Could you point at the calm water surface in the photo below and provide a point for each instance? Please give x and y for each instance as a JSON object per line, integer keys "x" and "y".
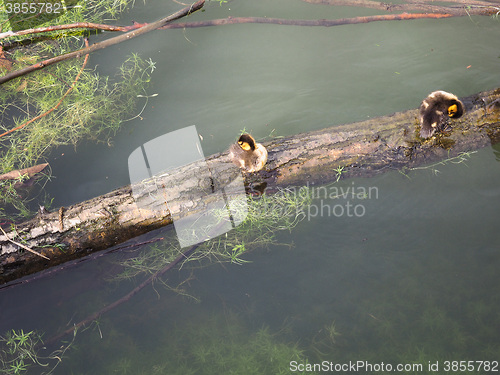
{"x": 411, "y": 277}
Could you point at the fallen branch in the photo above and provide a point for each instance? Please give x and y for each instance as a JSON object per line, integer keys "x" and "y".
{"x": 473, "y": 7}
{"x": 322, "y": 22}
{"x": 29, "y": 172}
{"x": 237, "y": 20}
{"x": 112, "y": 41}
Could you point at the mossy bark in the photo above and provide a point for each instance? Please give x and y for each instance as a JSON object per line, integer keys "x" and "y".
{"x": 362, "y": 149}
{"x": 379, "y": 144}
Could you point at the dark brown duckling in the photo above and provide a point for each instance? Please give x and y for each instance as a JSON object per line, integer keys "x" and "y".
{"x": 435, "y": 111}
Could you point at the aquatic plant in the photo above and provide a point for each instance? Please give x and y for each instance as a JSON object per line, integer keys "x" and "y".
{"x": 265, "y": 216}
{"x": 417, "y": 322}
{"x": 461, "y": 158}
{"x": 57, "y": 105}
{"x": 323, "y": 343}
{"x": 338, "y": 172}
{"x": 217, "y": 344}
{"x": 21, "y": 350}
{"x": 18, "y": 351}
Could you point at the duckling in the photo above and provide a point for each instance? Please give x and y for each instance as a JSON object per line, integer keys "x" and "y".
{"x": 248, "y": 154}
{"x": 435, "y": 111}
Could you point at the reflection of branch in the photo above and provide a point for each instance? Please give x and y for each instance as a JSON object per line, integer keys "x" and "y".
{"x": 118, "y": 39}
{"x": 126, "y": 297}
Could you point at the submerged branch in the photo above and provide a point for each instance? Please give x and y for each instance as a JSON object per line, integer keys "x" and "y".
{"x": 229, "y": 21}
{"x": 128, "y": 296}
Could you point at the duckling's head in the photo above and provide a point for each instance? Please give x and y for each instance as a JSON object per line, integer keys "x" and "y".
{"x": 456, "y": 109}
{"x": 247, "y": 142}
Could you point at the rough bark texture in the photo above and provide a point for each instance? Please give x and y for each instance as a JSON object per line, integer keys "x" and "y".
{"x": 362, "y": 149}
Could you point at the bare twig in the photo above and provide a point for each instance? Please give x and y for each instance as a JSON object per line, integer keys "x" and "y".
{"x": 23, "y": 246}
{"x": 321, "y": 22}
{"x": 467, "y": 6}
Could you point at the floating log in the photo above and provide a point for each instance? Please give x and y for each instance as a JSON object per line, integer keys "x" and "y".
{"x": 362, "y": 149}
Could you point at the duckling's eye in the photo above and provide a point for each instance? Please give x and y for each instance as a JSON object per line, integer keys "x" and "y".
{"x": 244, "y": 145}
{"x": 452, "y": 109}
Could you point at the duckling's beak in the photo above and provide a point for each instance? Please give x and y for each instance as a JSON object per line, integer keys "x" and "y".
{"x": 452, "y": 109}
{"x": 244, "y": 145}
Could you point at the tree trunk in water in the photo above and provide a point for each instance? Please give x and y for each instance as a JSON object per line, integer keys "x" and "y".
{"x": 363, "y": 149}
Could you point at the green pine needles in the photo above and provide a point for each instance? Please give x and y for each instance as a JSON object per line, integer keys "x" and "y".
{"x": 69, "y": 101}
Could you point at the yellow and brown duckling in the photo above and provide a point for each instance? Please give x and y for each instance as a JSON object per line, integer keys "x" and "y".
{"x": 435, "y": 111}
{"x": 248, "y": 154}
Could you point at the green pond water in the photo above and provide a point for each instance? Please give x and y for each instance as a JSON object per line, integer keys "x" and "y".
{"x": 399, "y": 269}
